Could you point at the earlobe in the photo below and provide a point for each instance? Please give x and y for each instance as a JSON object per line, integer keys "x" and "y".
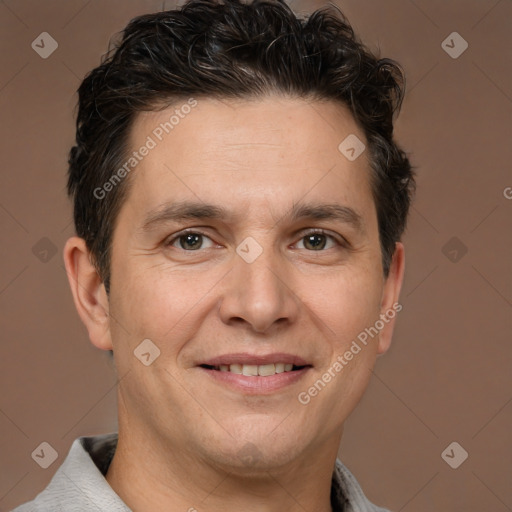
{"x": 88, "y": 292}
{"x": 390, "y": 305}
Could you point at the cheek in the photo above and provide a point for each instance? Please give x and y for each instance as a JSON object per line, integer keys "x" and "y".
{"x": 349, "y": 305}
{"x": 158, "y": 301}
{"x": 346, "y": 305}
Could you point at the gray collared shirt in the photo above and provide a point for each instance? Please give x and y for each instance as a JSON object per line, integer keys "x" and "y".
{"x": 79, "y": 484}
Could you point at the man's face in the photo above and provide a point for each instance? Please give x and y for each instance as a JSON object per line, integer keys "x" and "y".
{"x": 255, "y": 287}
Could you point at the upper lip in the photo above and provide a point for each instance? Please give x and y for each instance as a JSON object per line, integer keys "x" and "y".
{"x": 246, "y": 358}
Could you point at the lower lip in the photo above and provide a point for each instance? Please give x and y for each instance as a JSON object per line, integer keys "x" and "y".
{"x": 256, "y": 385}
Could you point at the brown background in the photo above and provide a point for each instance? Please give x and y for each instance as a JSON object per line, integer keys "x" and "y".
{"x": 447, "y": 376}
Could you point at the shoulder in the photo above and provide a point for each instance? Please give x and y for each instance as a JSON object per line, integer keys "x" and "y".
{"x": 79, "y": 483}
{"x": 349, "y": 493}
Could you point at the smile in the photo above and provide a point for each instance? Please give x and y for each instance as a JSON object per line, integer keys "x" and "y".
{"x": 255, "y": 370}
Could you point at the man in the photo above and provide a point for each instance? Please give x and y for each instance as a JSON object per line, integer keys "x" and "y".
{"x": 239, "y": 202}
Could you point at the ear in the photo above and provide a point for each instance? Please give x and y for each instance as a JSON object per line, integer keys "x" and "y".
{"x": 89, "y": 295}
{"x": 390, "y": 294}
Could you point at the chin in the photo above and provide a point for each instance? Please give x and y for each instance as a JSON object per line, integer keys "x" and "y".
{"x": 255, "y": 452}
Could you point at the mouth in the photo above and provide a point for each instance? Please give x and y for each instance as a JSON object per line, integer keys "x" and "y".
{"x": 253, "y": 374}
{"x": 255, "y": 370}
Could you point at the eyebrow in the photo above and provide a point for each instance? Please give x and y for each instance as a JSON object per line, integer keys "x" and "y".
{"x": 186, "y": 210}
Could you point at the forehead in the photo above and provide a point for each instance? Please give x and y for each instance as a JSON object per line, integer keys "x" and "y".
{"x": 254, "y": 153}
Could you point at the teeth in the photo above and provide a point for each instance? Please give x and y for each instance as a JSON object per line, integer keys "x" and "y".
{"x": 236, "y": 368}
{"x": 253, "y": 370}
{"x": 266, "y": 369}
{"x": 250, "y": 369}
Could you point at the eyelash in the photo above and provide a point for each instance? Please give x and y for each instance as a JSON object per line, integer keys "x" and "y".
{"x": 342, "y": 242}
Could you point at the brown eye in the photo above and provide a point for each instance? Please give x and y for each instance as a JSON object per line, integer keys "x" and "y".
{"x": 318, "y": 241}
{"x": 315, "y": 241}
{"x": 190, "y": 241}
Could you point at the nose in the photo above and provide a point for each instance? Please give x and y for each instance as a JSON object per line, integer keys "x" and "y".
{"x": 259, "y": 294}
